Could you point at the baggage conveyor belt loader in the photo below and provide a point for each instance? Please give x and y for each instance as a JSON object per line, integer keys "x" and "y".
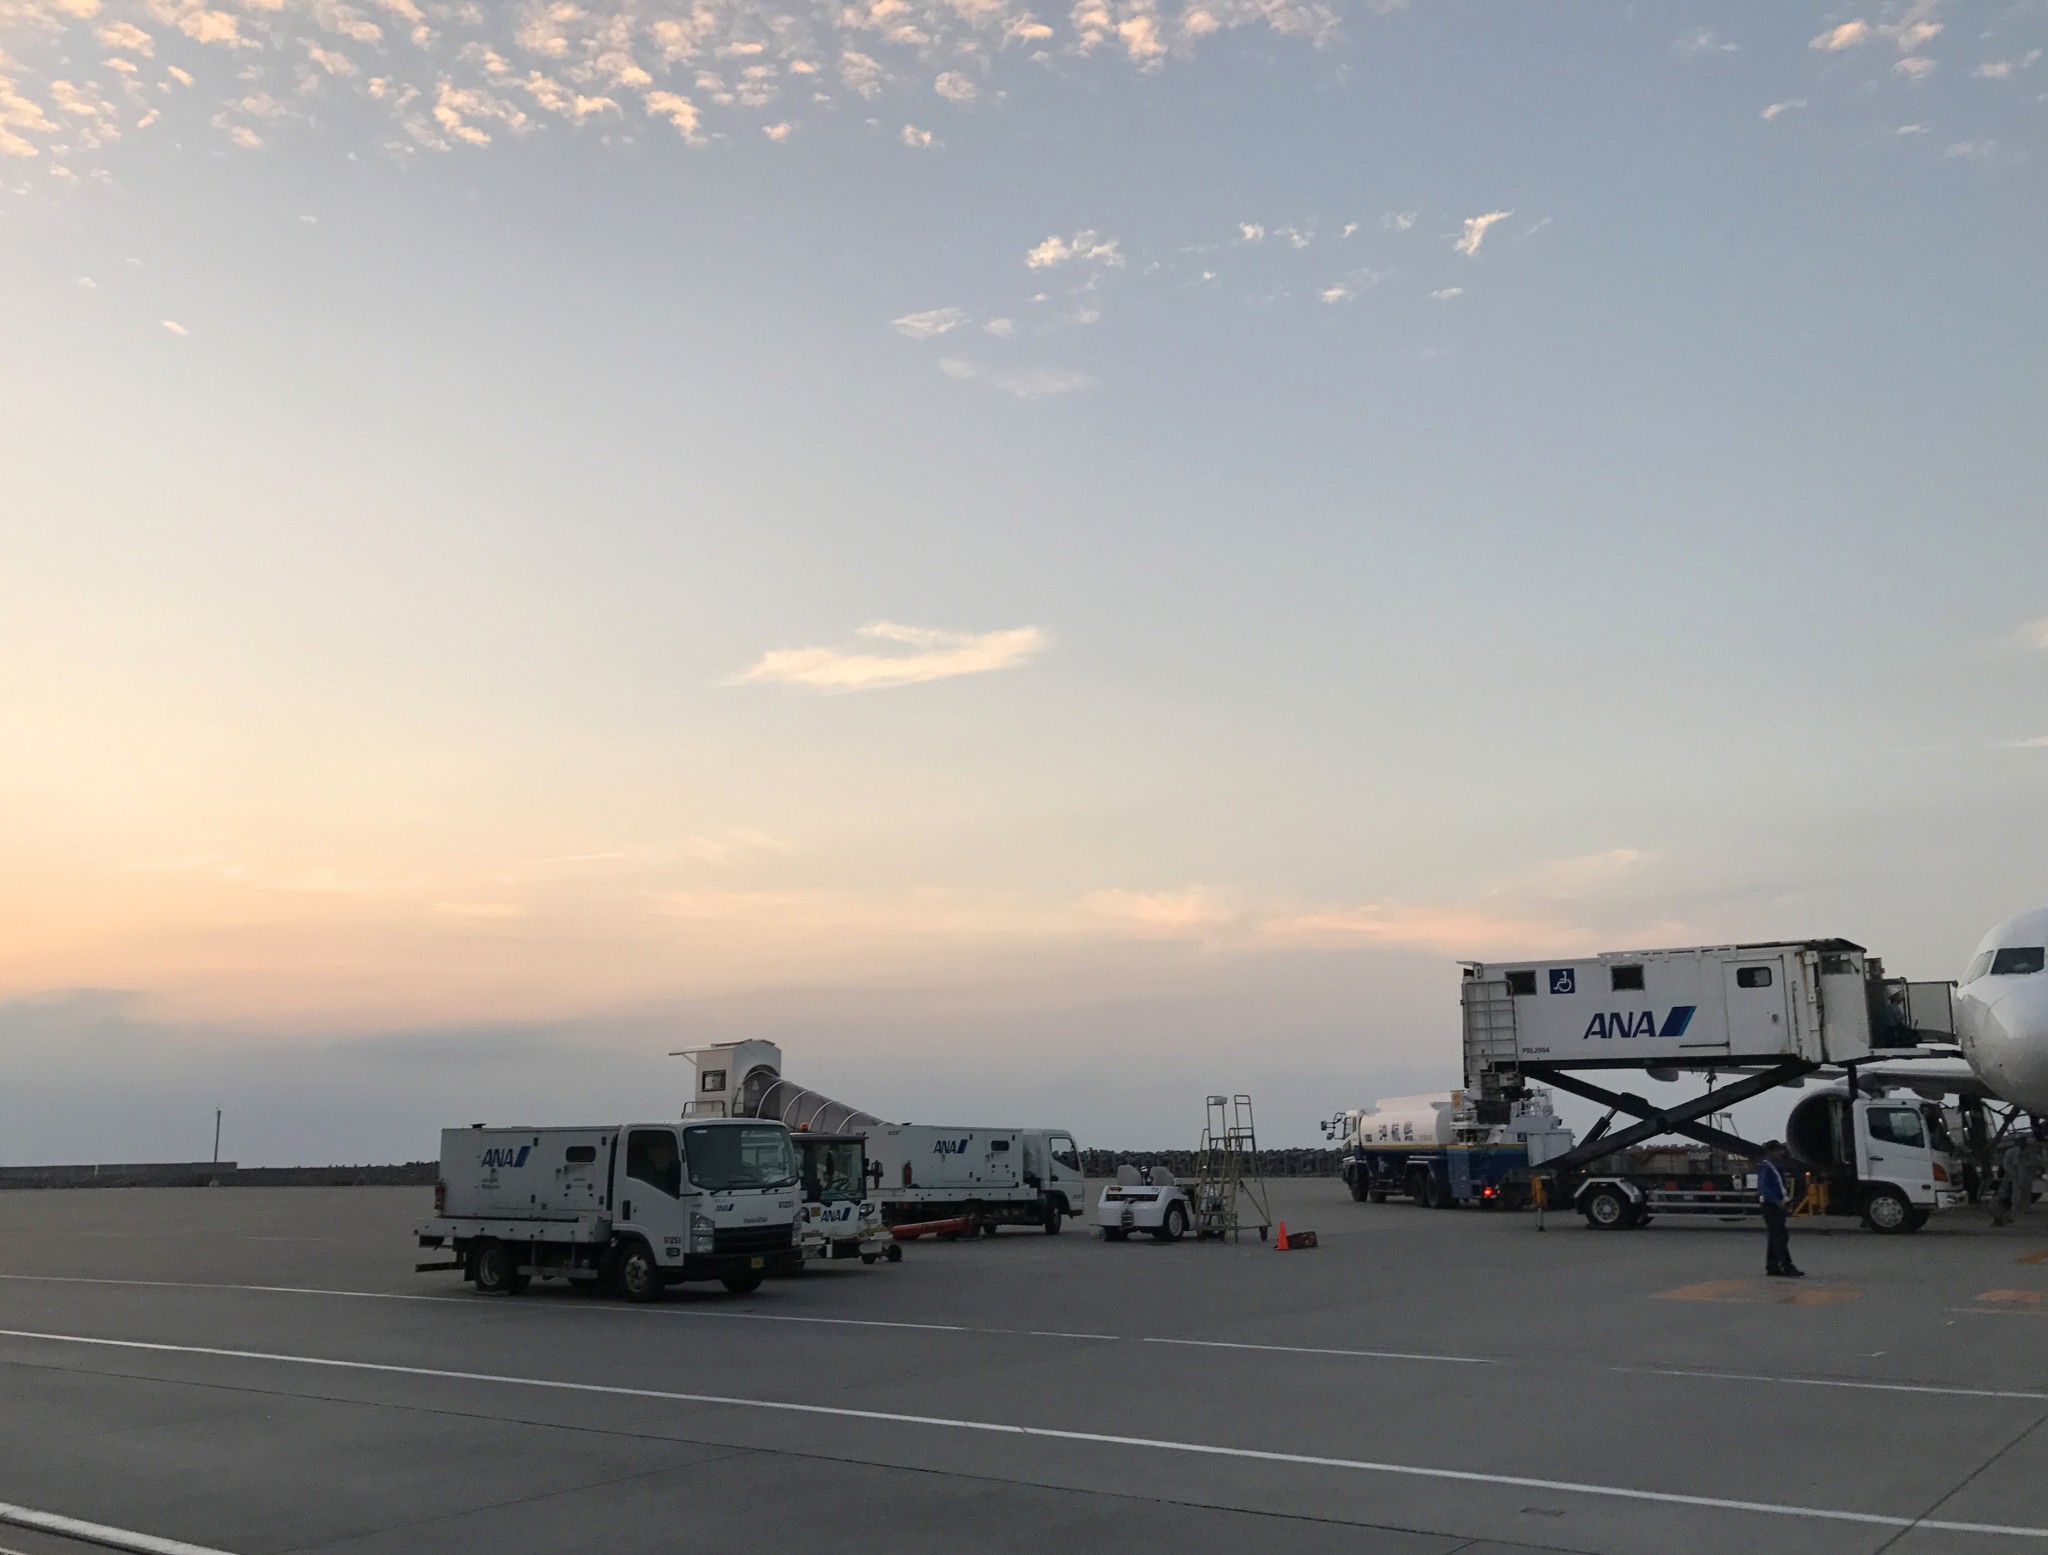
{"x": 918, "y": 1173}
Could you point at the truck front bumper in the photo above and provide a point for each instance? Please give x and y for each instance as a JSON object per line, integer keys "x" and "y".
{"x": 720, "y": 1266}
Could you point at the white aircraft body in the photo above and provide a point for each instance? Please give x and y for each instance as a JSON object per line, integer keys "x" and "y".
{"x": 2001, "y": 1011}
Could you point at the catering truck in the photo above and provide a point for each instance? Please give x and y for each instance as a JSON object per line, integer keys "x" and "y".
{"x": 918, "y": 1172}
{"x": 634, "y": 1206}
{"x": 1435, "y": 1151}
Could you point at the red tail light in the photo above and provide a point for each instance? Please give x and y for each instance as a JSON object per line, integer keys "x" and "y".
{"x": 441, "y": 1198}
{"x": 906, "y": 1174}
{"x": 1940, "y": 1172}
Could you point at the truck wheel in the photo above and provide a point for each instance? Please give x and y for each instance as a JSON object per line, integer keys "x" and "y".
{"x": 1375, "y": 1195}
{"x": 1174, "y": 1226}
{"x": 1418, "y": 1188}
{"x": 1886, "y": 1211}
{"x": 1436, "y": 1193}
{"x": 495, "y": 1270}
{"x": 743, "y": 1284}
{"x": 894, "y": 1253}
{"x": 1113, "y": 1233}
{"x": 1358, "y": 1188}
{"x": 1055, "y": 1217}
{"x": 1607, "y": 1209}
{"x": 636, "y": 1273}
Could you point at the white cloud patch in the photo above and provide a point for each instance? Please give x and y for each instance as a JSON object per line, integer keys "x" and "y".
{"x": 924, "y": 654}
{"x": 1848, "y": 35}
{"x": 1703, "y": 42}
{"x": 1024, "y": 383}
{"x": 1915, "y": 67}
{"x": 2034, "y": 634}
{"x": 1086, "y": 247}
{"x": 1789, "y": 105}
{"x": 1447, "y": 293}
{"x": 930, "y": 323}
{"x": 956, "y": 88}
{"x": 2031, "y": 743}
{"x": 916, "y": 139}
{"x": 1475, "y": 231}
{"x": 1001, "y": 328}
{"x": 174, "y": 326}
{"x": 1398, "y": 221}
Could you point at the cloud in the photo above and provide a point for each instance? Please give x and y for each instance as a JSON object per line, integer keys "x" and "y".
{"x": 931, "y": 655}
{"x": 1703, "y": 42}
{"x": 2032, "y": 743}
{"x": 1447, "y": 293}
{"x": 2033, "y": 634}
{"x": 1158, "y": 914}
{"x": 1398, "y": 221}
{"x": 1475, "y": 231}
{"x": 1024, "y": 383}
{"x": 1786, "y": 106}
{"x": 174, "y": 326}
{"x": 931, "y": 322}
{"x": 1250, "y": 232}
{"x": 1002, "y": 328}
{"x": 126, "y": 35}
{"x": 1847, "y": 36}
{"x": 956, "y": 88}
{"x": 777, "y": 131}
{"x": 1915, "y": 67}
{"x": 1085, "y": 247}
{"x": 1336, "y": 293}
{"x": 915, "y": 138}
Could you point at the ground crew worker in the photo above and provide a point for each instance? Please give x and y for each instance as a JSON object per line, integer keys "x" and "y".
{"x": 2018, "y": 1164}
{"x": 1774, "y": 1189}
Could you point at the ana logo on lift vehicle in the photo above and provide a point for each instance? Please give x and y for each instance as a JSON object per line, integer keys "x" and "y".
{"x": 1640, "y": 1023}
{"x": 952, "y": 1146}
{"x": 495, "y": 1158}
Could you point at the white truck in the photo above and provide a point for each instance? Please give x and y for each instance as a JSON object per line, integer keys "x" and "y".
{"x": 841, "y": 1218}
{"x": 989, "y": 1177}
{"x": 636, "y": 1206}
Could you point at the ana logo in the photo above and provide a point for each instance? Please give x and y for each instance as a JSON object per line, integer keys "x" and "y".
{"x": 952, "y": 1146}
{"x": 495, "y": 1158}
{"x": 1639, "y": 1023}
{"x": 1564, "y": 979}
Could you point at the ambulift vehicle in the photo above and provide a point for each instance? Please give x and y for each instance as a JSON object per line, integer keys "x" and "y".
{"x": 1153, "y": 1203}
{"x": 840, "y": 1218}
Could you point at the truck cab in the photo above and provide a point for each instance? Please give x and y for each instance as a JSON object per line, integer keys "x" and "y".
{"x": 709, "y": 1199}
{"x": 840, "y": 1216}
{"x": 1890, "y": 1159}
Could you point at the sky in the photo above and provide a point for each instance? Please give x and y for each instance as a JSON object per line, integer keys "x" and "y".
{"x": 1049, "y": 561}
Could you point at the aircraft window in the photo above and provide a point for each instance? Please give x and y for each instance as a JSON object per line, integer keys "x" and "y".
{"x": 1897, "y": 1126}
{"x": 2019, "y": 961}
{"x": 1979, "y": 967}
{"x": 1753, "y": 977}
{"x": 1626, "y": 979}
{"x": 1521, "y": 982}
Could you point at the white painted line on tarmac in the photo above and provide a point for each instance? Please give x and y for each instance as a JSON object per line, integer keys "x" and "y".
{"x": 1838, "y": 1382}
{"x": 99, "y": 1533}
{"x": 1303, "y": 1349}
{"x": 268, "y": 1290}
{"x": 1049, "y": 1433}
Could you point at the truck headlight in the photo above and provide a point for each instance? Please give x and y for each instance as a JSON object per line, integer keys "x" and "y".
{"x": 703, "y": 1233}
{"x": 867, "y": 1208}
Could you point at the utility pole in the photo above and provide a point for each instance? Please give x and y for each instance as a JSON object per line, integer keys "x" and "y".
{"x": 216, "y": 1136}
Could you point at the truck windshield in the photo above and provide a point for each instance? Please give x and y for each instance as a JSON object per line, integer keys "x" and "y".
{"x": 834, "y": 1171}
{"x": 739, "y": 1155}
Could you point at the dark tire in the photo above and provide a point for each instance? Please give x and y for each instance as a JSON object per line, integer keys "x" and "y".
{"x": 1114, "y": 1233}
{"x": 988, "y": 1228}
{"x": 1919, "y": 1219}
{"x": 1886, "y": 1211}
{"x": 868, "y": 1258}
{"x": 1375, "y": 1195}
{"x": 1055, "y": 1216}
{"x": 1608, "y": 1209}
{"x": 635, "y": 1273}
{"x": 495, "y": 1269}
{"x": 1174, "y": 1226}
{"x": 1435, "y": 1193}
{"x": 894, "y": 1252}
{"x": 743, "y": 1284}
{"x": 1418, "y": 1189}
{"x": 1359, "y": 1190}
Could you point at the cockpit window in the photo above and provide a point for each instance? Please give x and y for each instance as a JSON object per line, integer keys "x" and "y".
{"x": 2019, "y": 960}
{"x": 1979, "y": 966}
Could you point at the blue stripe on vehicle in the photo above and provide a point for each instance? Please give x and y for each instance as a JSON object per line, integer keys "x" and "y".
{"x": 1676, "y": 1022}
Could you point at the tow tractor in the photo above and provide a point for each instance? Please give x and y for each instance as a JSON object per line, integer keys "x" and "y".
{"x": 840, "y": 1219}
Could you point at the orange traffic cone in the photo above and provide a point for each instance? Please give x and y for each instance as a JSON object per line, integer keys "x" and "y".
{"x": 1281, "y": 1245}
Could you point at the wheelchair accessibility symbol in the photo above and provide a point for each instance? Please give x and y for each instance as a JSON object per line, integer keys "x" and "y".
{"x": 1563, "y": 979}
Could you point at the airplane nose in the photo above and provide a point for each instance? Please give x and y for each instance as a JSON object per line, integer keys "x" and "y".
{"x": 2019, "y": 1025}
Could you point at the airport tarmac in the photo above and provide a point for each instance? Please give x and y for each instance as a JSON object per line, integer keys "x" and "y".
{"x": 259, "y": 1371}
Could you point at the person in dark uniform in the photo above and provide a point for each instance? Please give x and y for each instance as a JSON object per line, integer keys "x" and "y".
{"x": 1775, "y": 1191}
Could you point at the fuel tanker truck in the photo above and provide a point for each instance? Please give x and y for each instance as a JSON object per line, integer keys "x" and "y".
{"x": 918, "y": 1173}
{"x": 1434, "y": 1150}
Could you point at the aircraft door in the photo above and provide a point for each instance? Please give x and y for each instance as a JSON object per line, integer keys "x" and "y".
{"x": 1755, "y": 993}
